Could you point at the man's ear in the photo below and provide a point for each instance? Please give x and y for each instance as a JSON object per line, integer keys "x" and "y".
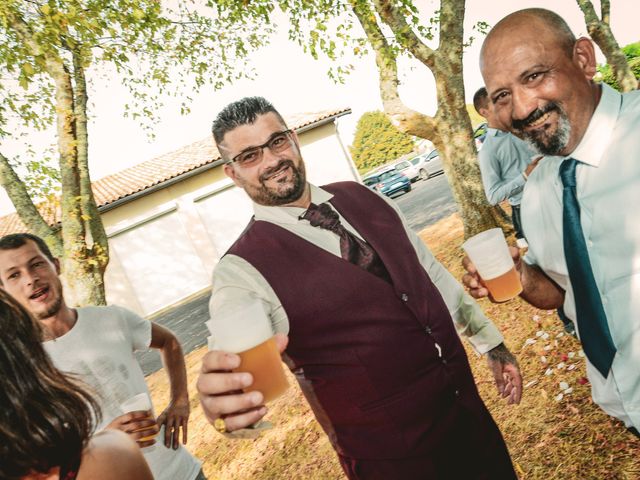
{"x": 484, "y": 112}
{"x": 230, "y": 172}
{"x": 56, "y": 263}
{"x": 585, "y": 57}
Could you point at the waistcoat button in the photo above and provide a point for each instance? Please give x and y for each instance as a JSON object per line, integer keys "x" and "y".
{"x": 405, "y": 297}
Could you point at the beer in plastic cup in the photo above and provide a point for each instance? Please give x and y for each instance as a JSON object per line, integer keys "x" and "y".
{"x": 247, "y": 333}
{"x": 490, "y": 254}
{"x": 139, "y": 402}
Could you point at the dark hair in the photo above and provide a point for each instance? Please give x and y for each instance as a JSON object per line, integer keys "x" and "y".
{"x": 480, "y": 99}
{"x": 242, "y": 112}
{"x": 16, "y": 240}
{"x": 46, "y": 417}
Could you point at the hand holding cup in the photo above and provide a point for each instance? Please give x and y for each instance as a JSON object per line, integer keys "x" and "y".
{"x": 491, "y": 267}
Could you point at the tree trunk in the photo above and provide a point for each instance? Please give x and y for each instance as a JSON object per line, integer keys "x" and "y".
{"x": 82, "y": 272}
{"x": 450, "y": 130}
{"x": 459, "y": 157}
{"x": 95, "y": 242}
{"x": 601, "y": 33}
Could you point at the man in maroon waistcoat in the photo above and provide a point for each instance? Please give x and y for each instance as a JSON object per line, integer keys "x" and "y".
{"x": 372, "y": 318}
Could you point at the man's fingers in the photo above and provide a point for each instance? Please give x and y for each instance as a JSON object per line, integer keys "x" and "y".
{"x": 140, "y": 424}
{"x": 508, "y": 388}
{"x": 175, "y": 437}
{"x": 146, "y": 443}
{"x": 471, "y": 281}
{"x": 168, "y": 431}
{"x": 468, "y": 265}
{"x": 148, "y": 434}
{"x": 216, "y": 360}
{"x": 515, "y": 378}
{"x": 185, "y": 423}
{"x": 219, "y": 405}
{"x": 218, "y": 383}
{"x": 243, "y": 420}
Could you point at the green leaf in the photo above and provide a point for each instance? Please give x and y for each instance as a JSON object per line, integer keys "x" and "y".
{"x": 27, "y": 69}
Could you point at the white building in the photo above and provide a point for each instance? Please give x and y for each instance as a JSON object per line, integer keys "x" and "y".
{"x": 170, "y": 219}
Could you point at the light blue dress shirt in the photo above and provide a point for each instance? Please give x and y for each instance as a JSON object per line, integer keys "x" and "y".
{"x": 502, "y": 159}
{"x": 608, "y": 188}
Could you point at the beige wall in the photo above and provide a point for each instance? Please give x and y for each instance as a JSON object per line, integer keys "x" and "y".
{"x": 183, "y": 219}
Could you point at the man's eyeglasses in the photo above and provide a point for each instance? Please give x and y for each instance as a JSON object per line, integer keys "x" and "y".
{"x": 279, "y": 142}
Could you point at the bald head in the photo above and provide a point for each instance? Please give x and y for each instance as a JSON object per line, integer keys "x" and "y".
{"x": 545, "y": 22}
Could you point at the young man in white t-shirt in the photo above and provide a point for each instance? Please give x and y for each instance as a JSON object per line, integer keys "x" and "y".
{"x": 98, "y": 344}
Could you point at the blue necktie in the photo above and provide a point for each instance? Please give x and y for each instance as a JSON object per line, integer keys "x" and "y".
{"x": 592, "y": 320}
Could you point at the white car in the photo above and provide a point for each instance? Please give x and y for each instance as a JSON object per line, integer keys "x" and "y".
{"x": 427, "y": 164}
{"x": 408, "y": 169}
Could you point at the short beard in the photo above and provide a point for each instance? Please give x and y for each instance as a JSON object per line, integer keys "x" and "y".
{"x": 273, "y": 197}
{"x": 545, "y": 144}
{"x": 53, "y": 310}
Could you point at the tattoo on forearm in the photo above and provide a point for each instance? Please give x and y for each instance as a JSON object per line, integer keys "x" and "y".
{"x": 502, "y": 354}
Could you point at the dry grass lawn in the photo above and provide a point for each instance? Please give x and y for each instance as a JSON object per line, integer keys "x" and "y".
{"x": 555, "y": 433}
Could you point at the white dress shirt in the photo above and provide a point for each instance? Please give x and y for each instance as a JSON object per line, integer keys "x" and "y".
{"x": 608, "y": 189}
{"x": 235, "y": 281}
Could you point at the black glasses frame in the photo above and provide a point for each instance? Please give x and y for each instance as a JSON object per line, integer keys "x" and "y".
{"x": 241, "y": 158}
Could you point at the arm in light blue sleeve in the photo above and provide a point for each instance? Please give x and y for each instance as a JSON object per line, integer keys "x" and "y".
{"x": 496, "y": 187}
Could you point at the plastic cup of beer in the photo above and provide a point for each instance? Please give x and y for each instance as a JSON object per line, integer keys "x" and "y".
{"x": 246, "y": 331}
{"x": 490, "y": 254}
{"x": 139, "y": 402}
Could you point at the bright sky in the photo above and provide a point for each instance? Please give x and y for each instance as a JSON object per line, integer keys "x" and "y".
{"x": 298, "y": 84}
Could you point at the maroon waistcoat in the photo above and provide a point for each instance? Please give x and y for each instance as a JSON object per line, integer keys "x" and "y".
{"x": 381, "y": 365}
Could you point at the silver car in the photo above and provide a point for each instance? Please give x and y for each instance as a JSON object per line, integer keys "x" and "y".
{"x": 427, "y": 164}
{"x": 408, "y": 169}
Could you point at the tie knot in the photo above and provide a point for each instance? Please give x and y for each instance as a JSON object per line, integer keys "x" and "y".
{"x": 568, "y": 172}
{"x": 322, "y": 216}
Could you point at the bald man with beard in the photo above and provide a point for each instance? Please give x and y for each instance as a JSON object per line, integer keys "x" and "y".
{"x": 580, "y": 206}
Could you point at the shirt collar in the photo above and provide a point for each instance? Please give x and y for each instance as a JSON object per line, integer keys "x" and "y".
{"x": 289, "y": 214}
{"x": 596, "y": 139}
{"x": 493, "y": 132}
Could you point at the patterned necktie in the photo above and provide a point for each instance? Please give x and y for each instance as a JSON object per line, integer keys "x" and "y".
{"x": 352, "y": 249}
{"x": 592, "y": 320}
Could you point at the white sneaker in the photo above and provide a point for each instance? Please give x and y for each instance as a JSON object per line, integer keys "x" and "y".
{"x": 522, "y": 243}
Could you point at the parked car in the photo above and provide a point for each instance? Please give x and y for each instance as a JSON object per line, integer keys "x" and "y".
{"x": 388, "y": 181}
{"x": 479, "y": 134}
{"x": 427, "y": 164}
{"x": 408, "y": 169}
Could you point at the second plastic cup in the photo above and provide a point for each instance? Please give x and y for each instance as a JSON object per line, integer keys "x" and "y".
{"x": 490, "y": 254}
{"x": 247, "y": 332}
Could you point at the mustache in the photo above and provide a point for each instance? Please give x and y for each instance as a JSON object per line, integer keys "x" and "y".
{"x": 534, "y": 116}
{"x": 281, "y": 165}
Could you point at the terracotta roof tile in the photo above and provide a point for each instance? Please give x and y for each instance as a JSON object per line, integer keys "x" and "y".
{"x": 142, "y": 176}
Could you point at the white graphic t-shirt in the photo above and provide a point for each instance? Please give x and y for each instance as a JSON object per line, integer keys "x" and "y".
{"x": 100, "y": 350}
